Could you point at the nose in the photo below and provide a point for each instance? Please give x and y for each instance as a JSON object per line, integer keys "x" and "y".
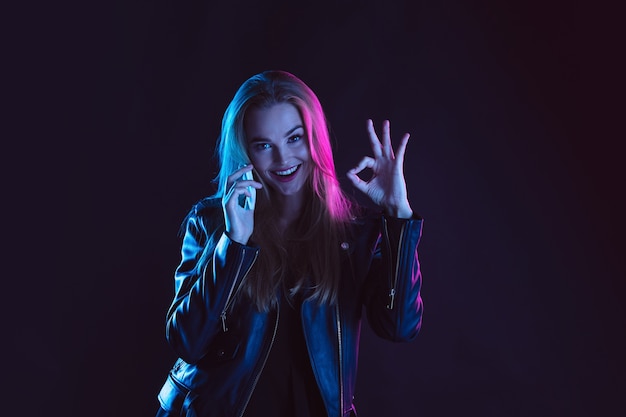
{"x": 281, "y": 154}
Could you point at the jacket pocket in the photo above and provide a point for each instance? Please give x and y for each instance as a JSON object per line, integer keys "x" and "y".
{"x": 223, "y": 349}
{"x": 175, "y": 397}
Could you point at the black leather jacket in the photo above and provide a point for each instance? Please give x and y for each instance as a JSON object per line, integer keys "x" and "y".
{"x": 223, "y": 343}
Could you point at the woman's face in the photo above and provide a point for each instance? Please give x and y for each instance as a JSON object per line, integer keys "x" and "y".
{"x": 278, "y": 148}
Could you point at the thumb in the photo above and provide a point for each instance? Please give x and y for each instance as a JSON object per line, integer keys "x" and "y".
{"x": 358, "y": 183}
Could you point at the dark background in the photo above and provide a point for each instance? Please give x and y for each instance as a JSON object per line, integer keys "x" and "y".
{"x": 515, "y": 163}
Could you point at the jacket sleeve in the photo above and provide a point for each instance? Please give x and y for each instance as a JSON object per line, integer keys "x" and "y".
{"x": 205, "y": 281}
{"x": 392, "y": 292}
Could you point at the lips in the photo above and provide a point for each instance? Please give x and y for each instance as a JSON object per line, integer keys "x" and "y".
{"x": 287, "y": 174}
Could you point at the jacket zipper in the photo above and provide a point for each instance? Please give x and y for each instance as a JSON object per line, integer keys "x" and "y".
{"x": 233, "y": 292}
{"x": 340, "y": 361}
{"x": 393, "y": 282}
{"x": 267, "y": 355}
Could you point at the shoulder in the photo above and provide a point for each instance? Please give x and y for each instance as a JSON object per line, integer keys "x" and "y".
{"x": 365, "y": 223}
{"x": 208, "y": 206}
{"x": 204, "y": 214}
{"x": 362, "y": 215}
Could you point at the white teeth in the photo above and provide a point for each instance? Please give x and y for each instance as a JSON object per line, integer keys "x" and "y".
{"x": 287, "y": 171}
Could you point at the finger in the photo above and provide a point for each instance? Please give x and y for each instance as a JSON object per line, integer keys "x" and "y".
{"x": 232, "y": 191}
{"x": 376, "y": 145}
{"x": 358, "y": 183}
{"x": 366, "y": 162}
{"x": 249, "y": 183}
{"x": 387, "y": 149}
{"x": 402, "y": 147}
{"x": 232, "y": 198}
{"x": 240, "y": 171}
{"x": 353, "y": 176}
{"x": 233, "y": 177}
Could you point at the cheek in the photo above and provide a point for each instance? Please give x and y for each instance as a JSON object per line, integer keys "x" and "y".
{"x": 258, "y": 160}
{"x": 304, "y": 154}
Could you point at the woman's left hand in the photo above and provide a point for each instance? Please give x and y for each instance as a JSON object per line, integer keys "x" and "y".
{"x": 387, "y": 186}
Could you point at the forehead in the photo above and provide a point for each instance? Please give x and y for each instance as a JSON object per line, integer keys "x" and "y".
{"x": 271, "y": 122}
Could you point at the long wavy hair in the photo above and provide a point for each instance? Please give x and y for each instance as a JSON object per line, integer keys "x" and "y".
{"x": 306, "y": 259}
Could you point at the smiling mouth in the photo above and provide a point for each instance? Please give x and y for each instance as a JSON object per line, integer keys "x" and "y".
{"x": 287, "y": 172}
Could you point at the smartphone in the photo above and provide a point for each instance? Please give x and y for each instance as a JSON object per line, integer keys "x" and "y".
{"x": 249, "y": 202}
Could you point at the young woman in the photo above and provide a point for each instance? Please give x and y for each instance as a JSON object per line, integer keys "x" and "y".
{"x": 278, "y": 264}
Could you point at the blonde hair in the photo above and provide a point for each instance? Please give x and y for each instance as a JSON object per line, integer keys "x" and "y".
{"x": 310, "y": 255}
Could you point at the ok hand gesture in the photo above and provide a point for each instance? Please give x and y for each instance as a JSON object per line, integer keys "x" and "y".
{"x": 387, "y": 186}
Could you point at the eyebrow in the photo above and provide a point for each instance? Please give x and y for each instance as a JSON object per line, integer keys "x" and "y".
{"x": 289, "y": 132}
{"x": 293, "y": 130}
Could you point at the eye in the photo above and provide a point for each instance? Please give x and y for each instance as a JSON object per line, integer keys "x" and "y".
{"x": 294, "y": 138}
{"x": 261, "y": 146}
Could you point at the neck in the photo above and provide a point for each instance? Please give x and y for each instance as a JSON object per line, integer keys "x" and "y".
{"x": 289, "y": 209}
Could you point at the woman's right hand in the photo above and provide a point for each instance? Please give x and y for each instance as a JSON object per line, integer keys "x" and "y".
{"x": 239, "y": 221}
